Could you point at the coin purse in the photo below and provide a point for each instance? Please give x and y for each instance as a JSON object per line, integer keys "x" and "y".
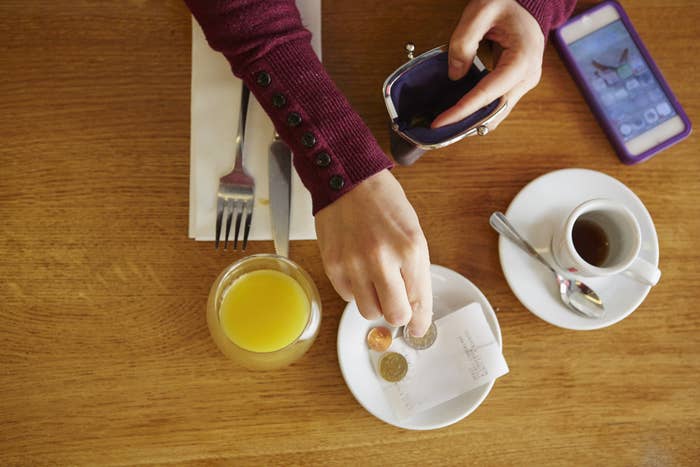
{"x": 420, "y": 90}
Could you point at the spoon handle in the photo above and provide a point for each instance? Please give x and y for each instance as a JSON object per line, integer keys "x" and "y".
{"x": 501, "y": 225}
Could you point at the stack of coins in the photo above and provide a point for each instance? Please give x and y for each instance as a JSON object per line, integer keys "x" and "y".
{"x": 392, "y": 365}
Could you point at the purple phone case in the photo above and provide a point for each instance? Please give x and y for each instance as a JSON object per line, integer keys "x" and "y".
{"x": 573, "y": 68}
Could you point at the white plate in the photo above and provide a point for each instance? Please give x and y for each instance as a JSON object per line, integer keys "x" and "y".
{"x": 451, "y": 291}
{"x": 535, "y": 212}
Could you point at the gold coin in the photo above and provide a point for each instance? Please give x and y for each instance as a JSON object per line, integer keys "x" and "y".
{"x": 379, "y": 338}
{"x": 421, "y": 343}
{"x": 393, "y": 366}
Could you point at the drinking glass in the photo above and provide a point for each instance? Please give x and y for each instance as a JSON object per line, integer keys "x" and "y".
{"x": 272, "y": 359}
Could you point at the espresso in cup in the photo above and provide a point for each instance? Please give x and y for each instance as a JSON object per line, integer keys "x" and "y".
{"x": 602, "y": 237}
{"x": 590, "y": 241}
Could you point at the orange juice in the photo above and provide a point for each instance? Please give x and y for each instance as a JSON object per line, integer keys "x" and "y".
{"x": 264, "y": 311}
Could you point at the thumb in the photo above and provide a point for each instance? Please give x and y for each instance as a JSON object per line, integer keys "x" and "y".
{"x": 475, "y": 22}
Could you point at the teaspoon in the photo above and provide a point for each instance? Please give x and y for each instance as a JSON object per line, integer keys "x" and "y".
{"x": 574, "y": 294}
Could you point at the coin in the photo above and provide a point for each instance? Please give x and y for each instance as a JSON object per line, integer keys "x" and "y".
{"x": 393, "y": 366}
{"x": 379, "y": 338}
{"x": 420, "y": 343}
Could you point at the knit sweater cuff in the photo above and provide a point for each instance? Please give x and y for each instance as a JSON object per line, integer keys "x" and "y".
{"x": 549, "y": 13}
{"x": 333, "y": 148}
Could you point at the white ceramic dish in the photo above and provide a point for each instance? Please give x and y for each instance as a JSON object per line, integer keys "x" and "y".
{"x": 535, "y": 212}
{"x": 451, "y": 291}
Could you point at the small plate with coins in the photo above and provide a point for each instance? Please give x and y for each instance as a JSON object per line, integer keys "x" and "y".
{"x": 359, "y": 339}
{"x": 536, "y": 212}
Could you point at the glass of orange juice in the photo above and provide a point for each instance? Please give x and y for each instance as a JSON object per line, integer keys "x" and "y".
{"x": 264, "y": 312}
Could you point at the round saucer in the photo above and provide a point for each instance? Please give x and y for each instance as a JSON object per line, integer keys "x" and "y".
{"x": 536, "y": 211}
{"x": 451, "y": 291}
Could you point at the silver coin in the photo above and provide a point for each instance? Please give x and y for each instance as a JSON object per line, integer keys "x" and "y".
{"x": 421, "y": 343}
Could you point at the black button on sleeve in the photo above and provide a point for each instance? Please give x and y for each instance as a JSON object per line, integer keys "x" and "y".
{"x": 323, "y": 159}
{"x": 293, "y": 119}
{"x": 308, "y": 140}
{"x": 263, "y": 79}
{"x": 336, "y": 182}
{"x": 279, "y": 101}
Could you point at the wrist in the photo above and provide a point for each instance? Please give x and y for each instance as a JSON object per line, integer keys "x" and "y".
{"x": 547, "y": 13}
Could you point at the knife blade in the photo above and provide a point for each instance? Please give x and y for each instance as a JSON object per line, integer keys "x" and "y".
{"x": 280, "y": 172}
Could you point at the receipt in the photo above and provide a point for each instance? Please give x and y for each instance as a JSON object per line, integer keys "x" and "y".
{"x": 465, "y": 355}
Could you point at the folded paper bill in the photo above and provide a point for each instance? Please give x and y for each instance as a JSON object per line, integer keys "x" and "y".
{"x": 214, "y": 117}
{"x": 464, "y": 356}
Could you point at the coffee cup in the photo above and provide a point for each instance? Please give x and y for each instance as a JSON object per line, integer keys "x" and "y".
{"x": 601, "y": 237}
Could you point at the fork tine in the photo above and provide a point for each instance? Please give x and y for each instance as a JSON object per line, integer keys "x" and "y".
{"x": 239, "y": 213}
{"x": 229, "y": 207}
{"x": 219, "y": 215}
{"x": 248, "y": 217}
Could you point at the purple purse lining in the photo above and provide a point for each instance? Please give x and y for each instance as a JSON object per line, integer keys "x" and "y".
{"x": 424, "y": 92}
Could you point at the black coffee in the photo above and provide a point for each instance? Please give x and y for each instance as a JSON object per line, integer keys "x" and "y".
{"x": 590, "y": 241}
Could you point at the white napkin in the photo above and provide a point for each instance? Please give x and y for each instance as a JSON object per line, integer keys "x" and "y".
{"x": 464, "y": 356}
{"x": 214, "y": 122}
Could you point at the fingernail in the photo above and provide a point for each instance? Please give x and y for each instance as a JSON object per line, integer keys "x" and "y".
{"x": 413, "y": 333}
{"x": 455, "y": 69}
{"x": 396, "y": 322}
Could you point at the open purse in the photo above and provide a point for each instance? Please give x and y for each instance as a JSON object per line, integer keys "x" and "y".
{"x": 420, "y": 90}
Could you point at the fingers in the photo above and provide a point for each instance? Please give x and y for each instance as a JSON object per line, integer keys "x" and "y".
{"x": 366, "y": 240}
{"x": 475, "y": 22}
{"x": 393, "y": 300}
{"x": 340, "y": 282}
{"x": 420, "y": 296}
{"x": 506, "y": 76}
{"x": 383, "y": 292}
{"x": 518, "y": 56}
{"x": 512, "y": 98}
{"x": 365, "y": 296}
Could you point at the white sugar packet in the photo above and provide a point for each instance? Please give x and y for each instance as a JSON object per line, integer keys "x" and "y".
{"x": 464, "y": 356}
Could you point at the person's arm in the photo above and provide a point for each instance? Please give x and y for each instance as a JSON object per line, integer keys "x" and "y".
{"x": 519, "y": 30}
{"x": 371, "y": 242}
{"x": 270, "y": 50}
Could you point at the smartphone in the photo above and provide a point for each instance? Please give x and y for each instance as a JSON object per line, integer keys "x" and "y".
{"x": 621, "y": 83}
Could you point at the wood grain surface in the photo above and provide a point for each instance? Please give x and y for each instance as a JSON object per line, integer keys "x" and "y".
{"x": 105, "y": 357}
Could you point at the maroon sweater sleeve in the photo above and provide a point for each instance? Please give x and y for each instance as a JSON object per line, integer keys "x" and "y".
{"x": 549, "y": 13}
{"x": 270, "y": 50}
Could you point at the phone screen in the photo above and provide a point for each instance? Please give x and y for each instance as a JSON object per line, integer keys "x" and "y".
{"x": 623, "y": 85}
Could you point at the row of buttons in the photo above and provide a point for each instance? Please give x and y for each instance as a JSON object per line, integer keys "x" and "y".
{"x": 308, "y": 139}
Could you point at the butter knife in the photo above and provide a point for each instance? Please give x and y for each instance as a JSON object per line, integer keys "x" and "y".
{"x": 280, "y": 171}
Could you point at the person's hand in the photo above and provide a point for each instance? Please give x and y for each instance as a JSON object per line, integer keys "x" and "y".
{"x": 518, "y": 63}
{"x": 374, "y": 251}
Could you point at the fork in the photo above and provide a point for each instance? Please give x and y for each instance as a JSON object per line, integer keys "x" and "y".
{"x": 236, "y": 193}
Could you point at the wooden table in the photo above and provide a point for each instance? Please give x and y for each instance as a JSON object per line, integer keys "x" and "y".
{"x": 105, "y": 357}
